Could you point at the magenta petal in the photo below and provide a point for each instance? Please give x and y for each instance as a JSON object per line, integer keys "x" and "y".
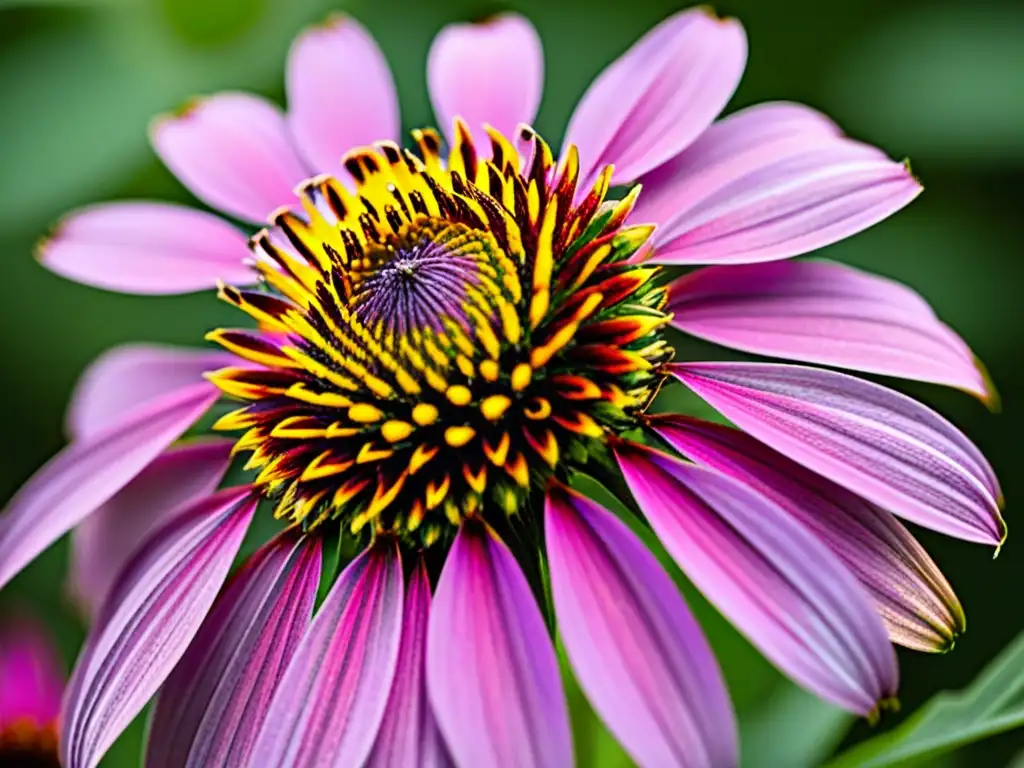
{"x": 655, "y": 99}
{"x": 637, "y": 651}
{"x": 408, "y": 736}
{"x": 149, "y": 248}
{"x": 234, "y": 152}
{"x": 132, "y": 376}
{"x": 911, "y": 595}
{"x": 488, "y": 72}
{"x": 340, "y": 92}
{"x": 788, "y": 196}
{"x": 147, "y": 623}
{"x": 331, "y": 700}
{"x": 879, "y": 443}
{"x": 106, "y": 539}
{"x": 30, "y": 669}
{"x": 769, "y": 576}
{"x": 822, "y": 312}
{"x": 212, "y": 706}
{"x": 492, "y": 675}
{"x": 88, "y": 473}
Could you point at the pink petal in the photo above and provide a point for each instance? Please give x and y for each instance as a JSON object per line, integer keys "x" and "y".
{"x": 234, "y": 152}
{"x": 654, "y": 100}
{"x": 212, "y": 706}
{"x": 331, "y": 699}
{"x": 767, "y": 574}
{"x": 340, "y": 92}
{"x": 636, "y": 649}
{"x": 89, "y": 473}
{"x": 492, "y": 675}
{"x": 132, "y": 376}
{"x": 149, "y": 248}
{"x": 103, "y": 543}
{"x": 779, "y": 198}
{"x": 408, "y": 736}
{"x": 488, "y": 72}
{"x": 911, "y": 595}
{"x": 827, "y": 313}
{"x": 32, "y": 674}
{"x": 724, "y": 152}
{"x": 880, "y": 444}
{"x": 145, "y": 627}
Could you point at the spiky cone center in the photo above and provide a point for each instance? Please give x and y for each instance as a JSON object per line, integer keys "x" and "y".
{"x": 25, "y": 742}
{"x": 441, "y": 340}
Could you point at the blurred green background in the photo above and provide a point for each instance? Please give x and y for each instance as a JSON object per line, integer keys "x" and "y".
{"x": 941, "y": 83}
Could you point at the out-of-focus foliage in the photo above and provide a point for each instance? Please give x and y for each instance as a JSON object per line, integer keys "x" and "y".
{"x": 937, "y": 81}
{"x": 992, "y": 704}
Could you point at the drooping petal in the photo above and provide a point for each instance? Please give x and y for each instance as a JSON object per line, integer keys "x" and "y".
{"x": 233, "y": 151}
{"x": 147, "y": 623}
{"x": 787, "y": 196}
{"x": 638, "y": 652}
{"x": 148, "y": 248}
{"x": 490, "y": 71}
{"x": 879, "y": 443}
{"x": 911, "y": 595}
{"x": 330, "y": 702}
{"x": 88, "y": 473}
{"x": 340, "y": 92}
{"x": 769, "y": 576}
{"x": 652, "y": 102}
{"x": 103, "y": 543}
{"x": 131, "y": 376}
{"x": 492, "y": 675}
{"x": 212, "y": 706}
{"x": 823, "y": 312}
{"x": 30, "y": 669}
{"x": 408, "y": 736}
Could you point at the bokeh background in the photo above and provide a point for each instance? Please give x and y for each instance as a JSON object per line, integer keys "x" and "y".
{"x": 939, "y": 82}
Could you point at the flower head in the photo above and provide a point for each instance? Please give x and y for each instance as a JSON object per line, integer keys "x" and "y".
{"x": 29, "y": 697}
{"x": 439, "y": 345}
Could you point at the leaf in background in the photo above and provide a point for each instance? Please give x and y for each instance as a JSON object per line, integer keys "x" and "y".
{"x": 792, "y": 728}
{"x": 938, "y": 82}
{"x": 992, "y": 704}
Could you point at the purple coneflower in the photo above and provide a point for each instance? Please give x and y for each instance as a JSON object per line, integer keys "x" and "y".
{"x": 438, "y": 344}
{"x": 31, "y": 684}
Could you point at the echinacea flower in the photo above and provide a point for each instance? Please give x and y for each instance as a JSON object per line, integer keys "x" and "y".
{"x": 438, "y": 344}
{"x": 31, "y": 684}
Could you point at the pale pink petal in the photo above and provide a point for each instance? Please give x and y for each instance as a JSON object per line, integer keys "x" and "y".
{"x": 492, "y": 675}
{"x": 769, "y": 576}
{"x": 822, "y": 312}
{"x": 637, "y": 651}
{"x": 31, "y": 671}
{"x": 408, "y": 736}
{"x": 911, "y": 595}
{"x": 133, "y": 376}
{"x": 234, "y": 152}
{"x": 331, "y": 699}
{"x": 879, "y": 443}
{"x": 487, "y": 72}
{"x": 212, "y": 706}
{"x": 724, "y": 152}
{"x": 151, "y": 616}
{"x": 103, "y": 543}
{"x": 340, "y": 92}
{"x": 148, "y": 248}
{"x": 654, "y": 100}
{"x": 88, "y": 473}
{"x": 785, "y": 197}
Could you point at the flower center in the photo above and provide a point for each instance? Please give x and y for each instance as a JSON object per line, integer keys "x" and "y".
{"x": 27, "y": 744}
{"x": 443, "y": 339}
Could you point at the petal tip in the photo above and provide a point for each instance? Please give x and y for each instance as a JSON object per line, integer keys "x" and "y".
{"x": 886, "y": 705}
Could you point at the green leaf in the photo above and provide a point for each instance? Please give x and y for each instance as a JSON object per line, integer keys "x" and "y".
{"x": 992, "y": 704}
{"x": 793, "y": 728}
